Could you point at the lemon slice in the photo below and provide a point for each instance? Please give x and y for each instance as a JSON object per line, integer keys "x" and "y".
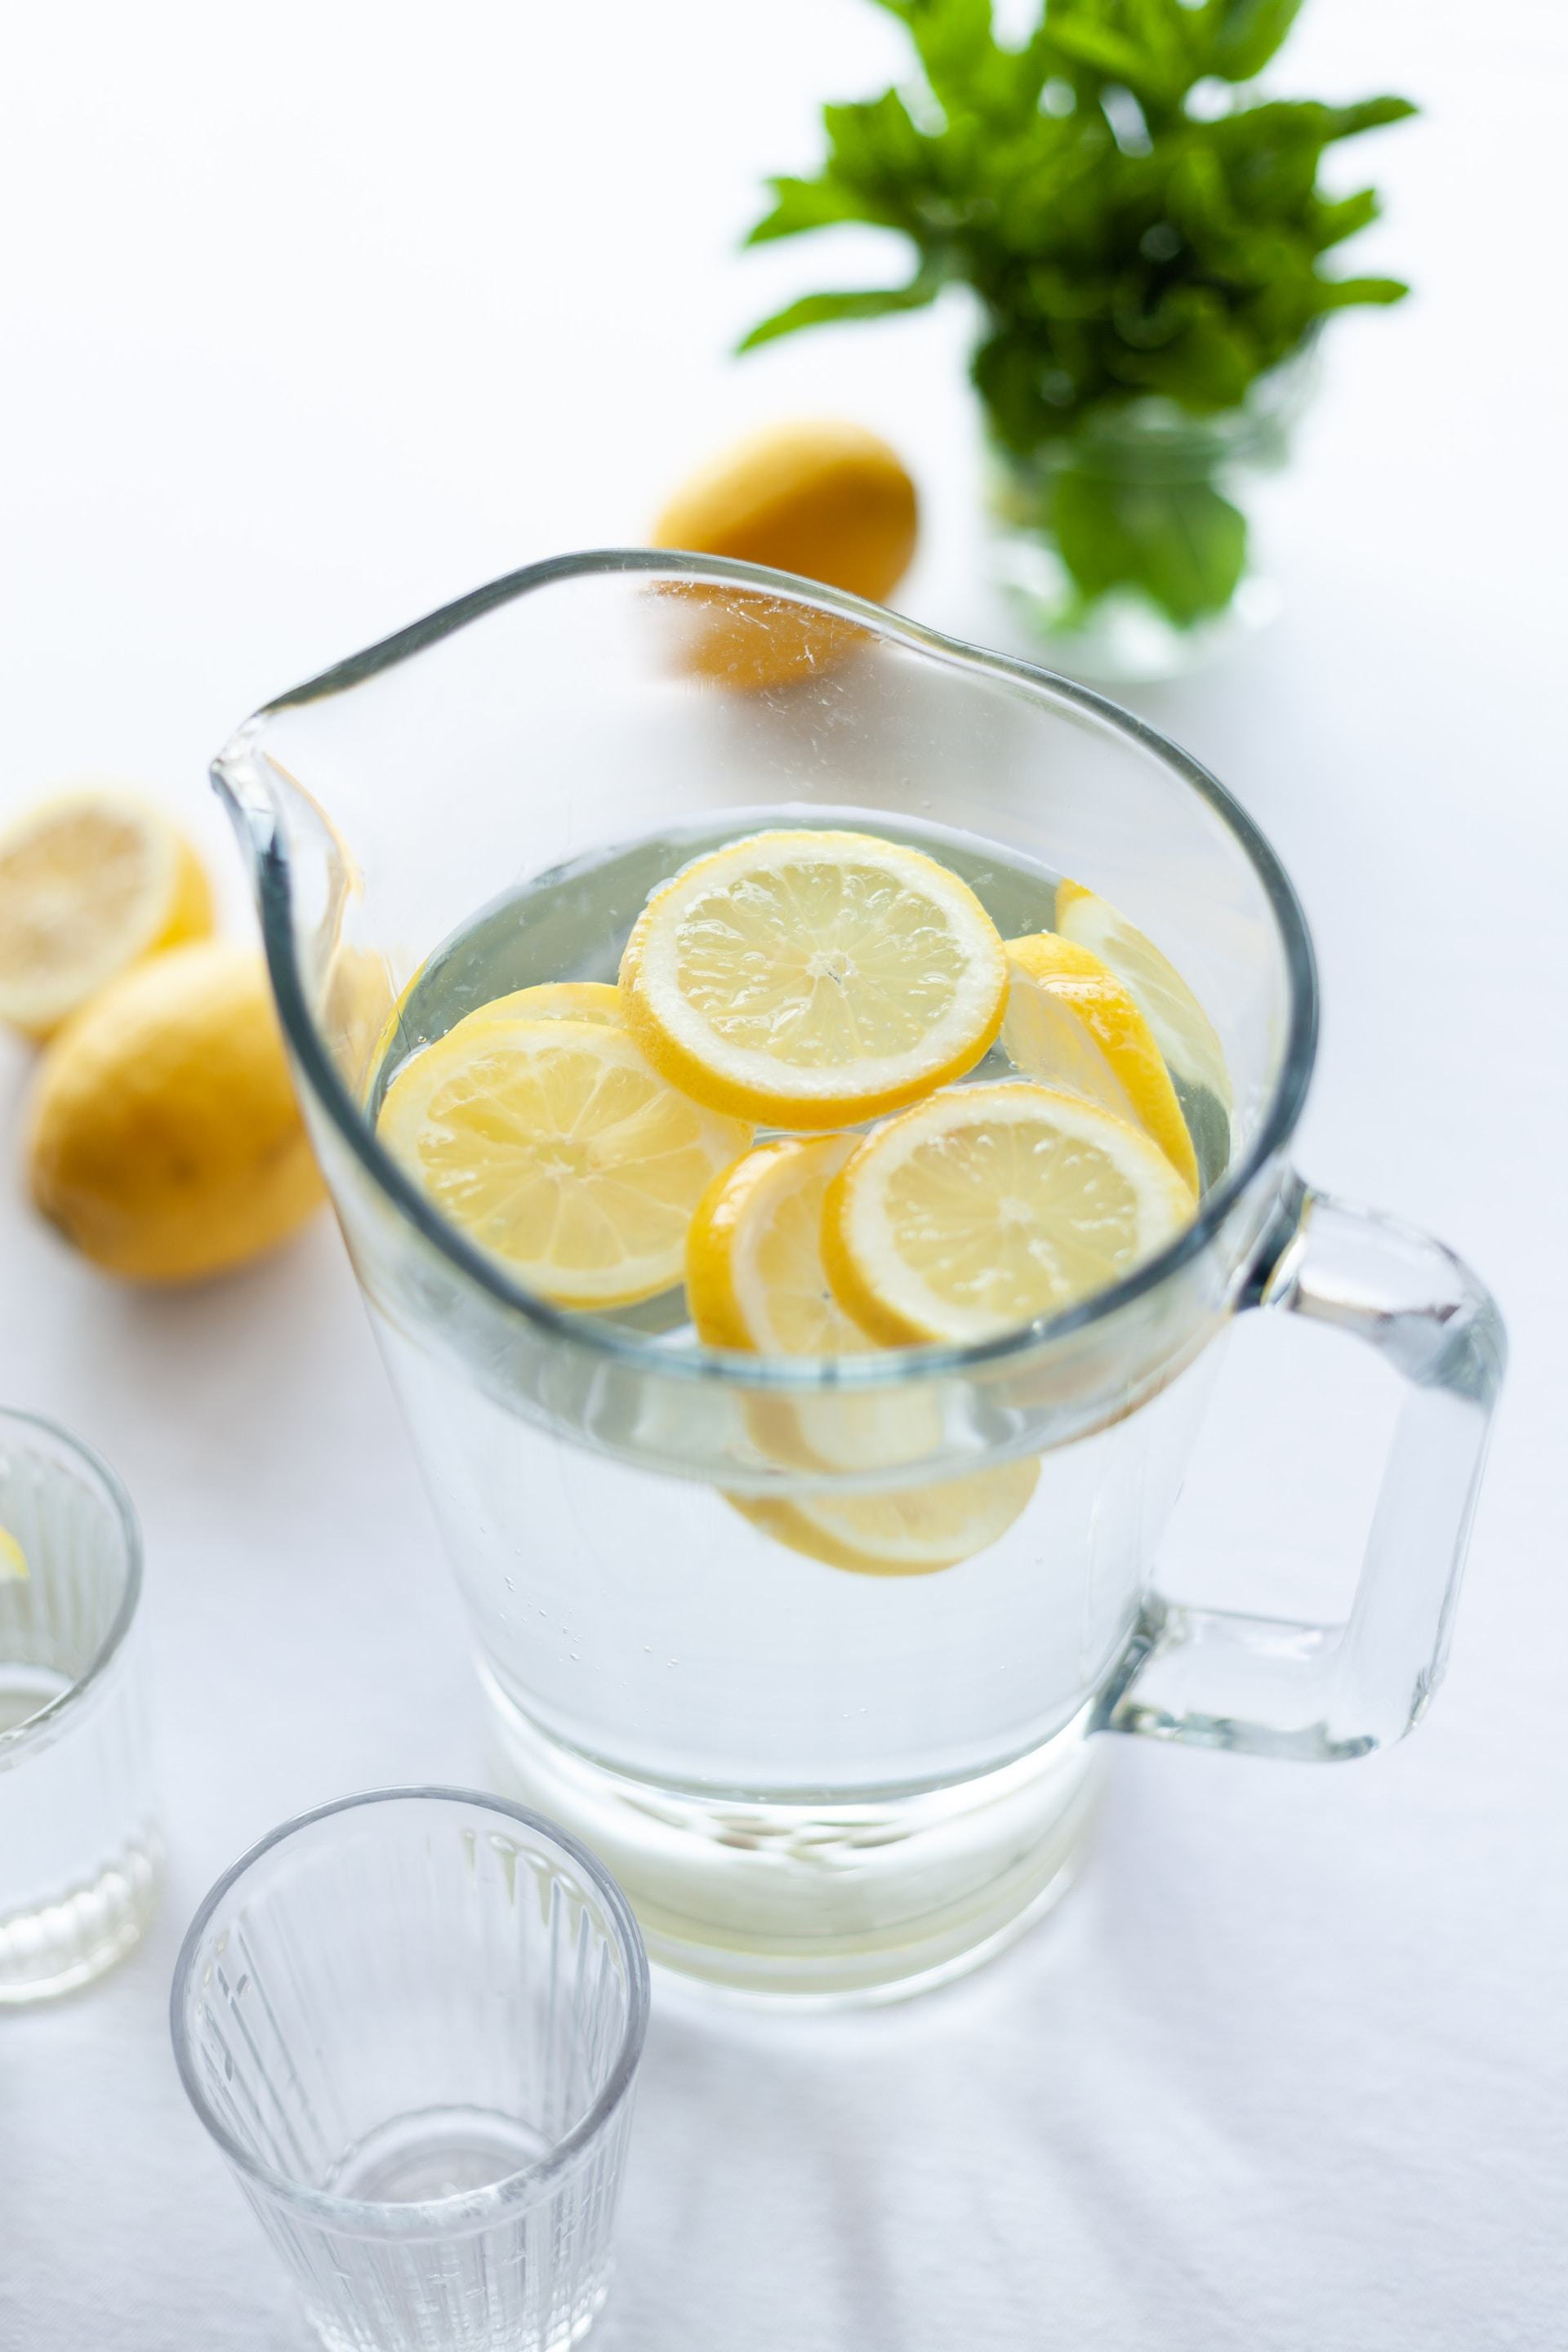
{"x": 812, "y": 979}
{"x": 991, "y": 1205}
{"x": 13, "y": 1558}
{"x": 910, "y": 1534}
{"x": 756, "y": 1280}
{"x": 598, "y": 1001}
{"x": 556, "y": 1148}
{"x": 91, "y": 882}
{"x": 1070, "y": 1019}
{"x": 1182, "y": 1029}
{"x": 754, "y": 1275}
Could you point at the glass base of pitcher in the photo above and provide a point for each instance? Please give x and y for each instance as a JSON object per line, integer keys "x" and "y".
{"x": 816, "y": 1903}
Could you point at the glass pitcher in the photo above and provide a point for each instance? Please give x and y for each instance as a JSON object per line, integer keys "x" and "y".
{"x": 814, "y": 1782}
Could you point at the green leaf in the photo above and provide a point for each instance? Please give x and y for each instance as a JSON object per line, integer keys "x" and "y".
{"x": 805, "y": 205}
{"x": 1332, "y": 223}
{"x": 876, "y": 147}
{"x": 1180, "y": 542}
{"x": 1241, "y": 35}
{"x": 1342, "y": 293}
{"x": 1097, "y": 46}
{"x": 824, "y": 310}
{"x": 1368, "y": 114}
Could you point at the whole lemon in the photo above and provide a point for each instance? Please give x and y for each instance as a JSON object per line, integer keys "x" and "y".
{"x": 828, "y": 500}
{"x": 164, "y": 1140}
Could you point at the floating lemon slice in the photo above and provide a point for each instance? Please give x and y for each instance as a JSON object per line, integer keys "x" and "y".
{"x": 754, "y": 1275}
{"x": 1071, "y": 1022}
{"x": 991, "y": 1205}
{"x": 556, "y": 1148}
{"x": 910, "y": 1534}
{"x": 756, "y": 1280}
{"x": 90, "y": 882}
{"x": 812, "y": 979}
{"x": 596, "y": 1000}
{"x": 13, "y": 1558}
{"x": 1182, "y": 1029}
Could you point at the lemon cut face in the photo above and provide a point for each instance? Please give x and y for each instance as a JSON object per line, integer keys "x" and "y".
{"x": 990, "y": 1206}
{"x": 812, "y": 979}
{"x": 558, "y": 1149}
{"x": 90, "y": 883}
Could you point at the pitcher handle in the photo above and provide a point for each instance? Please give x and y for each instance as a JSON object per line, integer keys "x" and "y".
{"x": 1268, "y": 1686}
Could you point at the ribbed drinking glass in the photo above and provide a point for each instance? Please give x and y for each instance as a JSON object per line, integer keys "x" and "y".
{"x": 411, "y": 2021}
{"x": 79, "y": 1846}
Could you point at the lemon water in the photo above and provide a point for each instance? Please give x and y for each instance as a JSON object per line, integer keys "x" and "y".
{"x": 573, "y": 924}
{"x": 647, "y": 1622}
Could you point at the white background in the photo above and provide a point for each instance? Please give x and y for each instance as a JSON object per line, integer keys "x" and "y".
{"x": 317, "y": 315}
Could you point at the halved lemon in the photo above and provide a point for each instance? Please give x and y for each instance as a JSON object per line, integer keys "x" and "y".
{"x": 913, "y": 1533}
{"x": 91, "y": 882}
{"x": 1069, "y": 1021}
{"x": 555, "y": 1147}
{"x": 1182, "y": 1029}
{"x": 597, "y": 1001}
{"x": 988, "y": 1206}
{"x": 814, "y": 980}
{"x": 13, "y": 1558}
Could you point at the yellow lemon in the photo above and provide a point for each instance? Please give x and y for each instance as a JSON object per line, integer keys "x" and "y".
{"x": 557, "y": 1148}
{"x": 828, "y": 500}
{"x": 164, "y": 1140}
{"x": 1182, "y": 1029}
{"x": 988, "y": 1206}
{"x": 1068, "y": 1018}
{"x": 91, "y": 882}
{"x": 812, "y": 979}
{"x": 13, "y": 1558}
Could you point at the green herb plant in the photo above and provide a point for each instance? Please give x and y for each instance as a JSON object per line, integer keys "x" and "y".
{"x": 1134, "y": 221}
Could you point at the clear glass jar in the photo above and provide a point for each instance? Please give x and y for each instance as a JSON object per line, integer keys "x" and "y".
{"x": 1131, "y": 545}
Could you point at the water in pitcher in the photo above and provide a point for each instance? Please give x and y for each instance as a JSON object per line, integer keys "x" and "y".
{"x": 788, "y": 1642}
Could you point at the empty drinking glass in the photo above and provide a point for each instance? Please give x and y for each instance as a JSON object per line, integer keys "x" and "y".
{"x": 411, "y": 2021}
{"x": 79, "y": 1846}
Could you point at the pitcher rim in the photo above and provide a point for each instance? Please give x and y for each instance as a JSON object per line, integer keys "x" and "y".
{"x": 256, "y": 818}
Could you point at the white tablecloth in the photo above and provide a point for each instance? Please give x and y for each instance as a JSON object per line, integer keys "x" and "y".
{"x": 318, "y": 316}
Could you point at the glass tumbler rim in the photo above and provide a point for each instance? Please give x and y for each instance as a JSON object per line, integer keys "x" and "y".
{"x": 46, "y": 1721}
{"x": 237, "y": 779}
{"x": 465, "y": 2209}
